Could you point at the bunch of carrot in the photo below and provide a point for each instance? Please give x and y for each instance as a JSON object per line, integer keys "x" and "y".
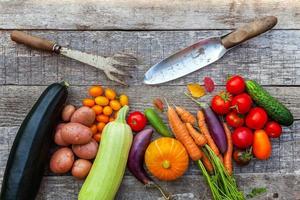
{"x": 182, "y": 124}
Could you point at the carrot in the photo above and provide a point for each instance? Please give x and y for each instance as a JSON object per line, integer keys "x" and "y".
{"x": 204, "y": 129}
{"x": 228, "y": 153}
{"x": 182, "y": 134}
{"x": 206, "y": 162}
{"x": 199, "y": 139}
{"x": 185, "y": 115}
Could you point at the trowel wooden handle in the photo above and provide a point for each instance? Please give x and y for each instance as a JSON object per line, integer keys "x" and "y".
{"x": 34, "y": 42}
{"x": 249, "y": 31}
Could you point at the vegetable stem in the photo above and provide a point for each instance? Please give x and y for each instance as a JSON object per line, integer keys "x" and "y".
{"x": 122, "y": 114}
{"x": 202, "y": 105}
{"x": 165, "y": 194}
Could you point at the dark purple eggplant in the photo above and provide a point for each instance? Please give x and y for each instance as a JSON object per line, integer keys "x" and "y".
{"x": 136, "y": 156}
{"x": 214, "y": 125}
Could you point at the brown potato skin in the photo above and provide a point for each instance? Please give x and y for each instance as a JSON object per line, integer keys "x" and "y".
{"x": 75, "y": 133}
{"x": 62, "y": 160}
{"x": 57, "y": 135}
{"x": 67, "y": 112}
{"x": 86, "y": 151}
{"x": 81, "y": 168}
{"x": 84, "y": 115}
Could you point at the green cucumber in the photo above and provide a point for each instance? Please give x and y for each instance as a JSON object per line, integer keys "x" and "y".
{"x": 275, "y": 109}
{"x": 157, "y": 123}
{"x": 29, "y": 153}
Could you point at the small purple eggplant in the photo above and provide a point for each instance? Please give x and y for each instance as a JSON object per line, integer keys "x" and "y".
{"x": 136, "y": 156}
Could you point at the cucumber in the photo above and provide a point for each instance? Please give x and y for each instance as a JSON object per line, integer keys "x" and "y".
{"x": 29, "y": 153}
{"x": 275, "y": 109}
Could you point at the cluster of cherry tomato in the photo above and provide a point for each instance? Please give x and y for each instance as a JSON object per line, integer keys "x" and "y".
{"x": 240, "y": 113}
{"x": 106, "y": 103}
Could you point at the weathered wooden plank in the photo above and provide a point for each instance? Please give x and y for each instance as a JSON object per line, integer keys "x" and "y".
{"x": 143, "y": 14}
{"x": 284, "y": 186}
{"x": 272, "y": 59}
{"x": 16, "y": 101}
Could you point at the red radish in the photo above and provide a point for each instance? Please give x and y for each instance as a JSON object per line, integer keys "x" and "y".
{"x": 242, "y": 137}
{"x": 209, "y": 84}
{"x": 241, "y": 103}
{"x": 273, "y": 129}
{"x": 256, "y": 118}
{"x": 235, "y": 85}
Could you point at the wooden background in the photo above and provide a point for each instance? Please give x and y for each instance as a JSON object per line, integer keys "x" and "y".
{"x": 152, "y": 30}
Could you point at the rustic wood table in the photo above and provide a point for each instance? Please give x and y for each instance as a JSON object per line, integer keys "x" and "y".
{"x": 152, "y": 30}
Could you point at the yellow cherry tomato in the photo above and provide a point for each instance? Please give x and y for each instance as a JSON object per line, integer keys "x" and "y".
{"x": 115, "y": 105}
{"x": 102, "y": 101}
{"x": 123, "y": 100}
{"x": 107, "y": 110}
{"x": 97, "y": 109}
{"x": 110, "y": 94}
{"x": 88, "y": 102}
{"x": 95, "y": 91}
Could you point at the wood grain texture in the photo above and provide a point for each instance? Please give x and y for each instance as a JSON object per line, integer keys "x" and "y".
{"x": 272, "y": 59}
{"x": 143, "y": 14}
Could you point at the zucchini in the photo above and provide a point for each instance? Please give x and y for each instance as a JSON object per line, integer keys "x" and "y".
{"x": 108, "y": 169}
{"x": 29, "y": 153}
{"x": 275, "y": 109}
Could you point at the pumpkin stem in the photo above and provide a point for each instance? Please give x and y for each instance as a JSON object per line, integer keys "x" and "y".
{"x": 165, "y": 194}
{"x": 122, "y": 114}
{"x": 166, "y": 164}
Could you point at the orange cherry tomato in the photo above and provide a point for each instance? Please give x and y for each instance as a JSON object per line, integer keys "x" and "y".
{"x": 110, "y": 94}
{"x": 97, "y": 137}
{"x": 111, "y": 119}
{"x": 100, "y": 126}
{"x": 97, "y": 109}
{"x": 102, "y": 118}
{"x": 95, "y": 91}
{"x": 88, "y": 102}
{"x": 94, "y": 129}
{"x": 115, "y": 105}
{"x": 262, "y": 147}
{"x": 107, "y": 110}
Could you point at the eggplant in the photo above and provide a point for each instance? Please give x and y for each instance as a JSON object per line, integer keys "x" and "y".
{"x": 214, "y": 125}
{"x": 29, "y": 153}
{"x": 136, "y": 157}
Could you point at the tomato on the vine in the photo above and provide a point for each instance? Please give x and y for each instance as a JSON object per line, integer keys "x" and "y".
{"x": 256, "y": 118}
{"x": 221, "y": 103}
{"x": 273, "y": 129}
{"x": 241, "y": 103}
{"x": 137, "y": 121}
{"x": 235, "y": 85}
{"x": 234, "y": 119}
{"x": 242, "y": 137}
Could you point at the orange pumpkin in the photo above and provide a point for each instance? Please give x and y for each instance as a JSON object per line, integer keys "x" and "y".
{"x": 166, "y": 158}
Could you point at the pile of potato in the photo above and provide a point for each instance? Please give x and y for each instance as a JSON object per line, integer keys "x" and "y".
{"x": 75, "y": 137}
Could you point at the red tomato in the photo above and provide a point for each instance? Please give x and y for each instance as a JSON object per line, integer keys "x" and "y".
{"x": 234, "y": 119}
{"x": 242, "y": 103}
{"x": 273, "y": 129}
{"x": 256, "y": 118}
{"x": 262, "y": 147}
{"x": 221, "y": 103}
{"x": 242, "y": 157}
{"x": 235, "y": 85}
{"x": 242, "y": 137}
{"x": 137, "y": 121}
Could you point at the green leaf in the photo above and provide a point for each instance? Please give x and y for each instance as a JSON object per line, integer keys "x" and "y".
{"x": 255, "y": 192}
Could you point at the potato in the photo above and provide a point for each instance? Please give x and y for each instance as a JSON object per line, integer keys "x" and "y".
{"x": 84, "y": 115}
{"x": 62, "y": 160}
{"x": 57, "y": 136}
{"x": 86, "y": 151}
{"x": 81, "y": 168}
{"x": 75, "y": 133}
{"x": 67, "y": 112}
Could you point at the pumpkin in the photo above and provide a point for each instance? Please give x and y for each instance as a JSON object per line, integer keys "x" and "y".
{"x": 166, "y": 158}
